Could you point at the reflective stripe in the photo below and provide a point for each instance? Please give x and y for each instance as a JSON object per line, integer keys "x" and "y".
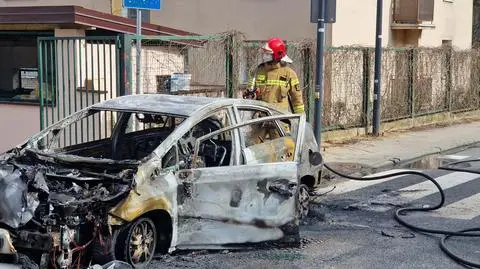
{"x": 273, "y": 82}
{"x": 295, "y": 82}
{"x": 299, "y": 109}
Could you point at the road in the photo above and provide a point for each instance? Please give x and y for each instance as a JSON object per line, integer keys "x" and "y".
{"x": 352, "y": 226}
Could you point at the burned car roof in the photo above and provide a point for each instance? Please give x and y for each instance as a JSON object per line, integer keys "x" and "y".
{"x": 157, "y": 103}
{"x": 169, "y": 104}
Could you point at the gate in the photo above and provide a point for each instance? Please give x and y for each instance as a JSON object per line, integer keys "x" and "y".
{"x": 74, "y": 73}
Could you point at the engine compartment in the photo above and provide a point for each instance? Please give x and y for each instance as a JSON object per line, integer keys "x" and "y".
{"x": 55, "y": 210}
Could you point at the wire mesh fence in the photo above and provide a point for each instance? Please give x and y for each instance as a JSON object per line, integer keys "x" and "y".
{"x": 344, "y": 88}
{"x": 193, "y": 65}
{"x": 414, "y": 81}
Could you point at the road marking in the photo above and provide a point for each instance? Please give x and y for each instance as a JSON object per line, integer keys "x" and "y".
{"x": 353, "y": 185}
{"x": 426, "y": 188}
{"x": 454, "y": 157}
{"x": 465, "y": 209}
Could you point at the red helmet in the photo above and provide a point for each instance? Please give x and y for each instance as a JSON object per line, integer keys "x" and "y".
{"x": 276, "y": 47}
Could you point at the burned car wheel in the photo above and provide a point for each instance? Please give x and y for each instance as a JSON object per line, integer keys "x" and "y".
{"x": 303, "y": 201}
{"x": 140, "y": 242}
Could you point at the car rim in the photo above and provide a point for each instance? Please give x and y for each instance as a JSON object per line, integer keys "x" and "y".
{"x": 142, "y": 243}
{"x": 303, "y": 201}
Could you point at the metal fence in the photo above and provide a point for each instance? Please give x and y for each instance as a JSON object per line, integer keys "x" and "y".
{"x": 415, "y": 81}
{"x": 74, "y": 73}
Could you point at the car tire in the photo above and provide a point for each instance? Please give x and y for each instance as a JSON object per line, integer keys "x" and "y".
{"x": 302, "y": 201}
{"x": 136, "y": 244}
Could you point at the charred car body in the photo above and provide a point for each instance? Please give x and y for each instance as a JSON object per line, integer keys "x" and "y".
{"x": 140, "y": 174}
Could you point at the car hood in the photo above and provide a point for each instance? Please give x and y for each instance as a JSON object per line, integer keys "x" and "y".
{"x": 27, "y": 184}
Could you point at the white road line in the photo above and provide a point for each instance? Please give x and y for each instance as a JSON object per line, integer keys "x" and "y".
{"x": 465, "y": 209}
{"x": 454, "y": 157}
{"x": 426, "y": 188}
{"x": 353, "y": 185}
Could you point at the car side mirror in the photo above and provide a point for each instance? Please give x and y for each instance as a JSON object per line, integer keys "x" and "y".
{"x": 315, "y": 158}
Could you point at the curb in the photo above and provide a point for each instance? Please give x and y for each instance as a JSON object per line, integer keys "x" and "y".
{"x": 401, "y": 164}
{"x": 371, "y": 169}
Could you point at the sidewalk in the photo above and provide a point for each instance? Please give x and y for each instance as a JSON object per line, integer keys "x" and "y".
{"x": 399, "y": 147}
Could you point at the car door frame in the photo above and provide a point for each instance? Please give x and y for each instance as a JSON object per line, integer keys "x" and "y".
{"x": 199, "y": 208}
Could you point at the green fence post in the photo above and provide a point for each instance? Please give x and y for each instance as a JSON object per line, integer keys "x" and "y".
{"x": 448, "y": 63}
{"x": 229, "y": 66}
{"x": 40, "y": 81}
{"x": 366, "y": 86}
{"x": 125, "y": 64}
{"x": 412, "y": 68}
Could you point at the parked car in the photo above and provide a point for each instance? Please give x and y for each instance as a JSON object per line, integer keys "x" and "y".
{"x": 140, "y": 174}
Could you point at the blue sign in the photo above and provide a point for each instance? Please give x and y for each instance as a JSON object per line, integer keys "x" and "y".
{"x": 142, "y": 4}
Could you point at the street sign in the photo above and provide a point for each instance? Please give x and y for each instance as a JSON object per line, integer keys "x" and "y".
{"x": 330, "y": 11}
{"x": 142, "y": 4}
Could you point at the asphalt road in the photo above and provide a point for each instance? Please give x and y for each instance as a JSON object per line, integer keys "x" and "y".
{"x": 352, "y": 226}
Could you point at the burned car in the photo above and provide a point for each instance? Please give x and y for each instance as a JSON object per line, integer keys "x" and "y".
{"x": 144, "y": 174}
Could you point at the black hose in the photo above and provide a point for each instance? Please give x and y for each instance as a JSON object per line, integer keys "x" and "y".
{"x": 402, "y": 211}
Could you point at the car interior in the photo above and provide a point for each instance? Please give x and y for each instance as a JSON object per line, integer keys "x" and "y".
{"x": 137, "y": 135}
{"x": 134, "y": 137}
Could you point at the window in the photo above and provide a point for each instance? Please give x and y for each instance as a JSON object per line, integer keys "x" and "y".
{"x": 253, "y": 134}
{"x": 266, "y": 144}
{"x": 143, "y": 121}
{"x": 88, "y": 136}
{"x": 18, "y": 71}
{"x": 145, "y": 132}
{"x": 215, "y": 151}
{"x": 220, "y": 145}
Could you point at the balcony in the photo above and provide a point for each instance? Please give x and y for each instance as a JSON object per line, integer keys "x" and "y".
{"x": 413, "y": 14}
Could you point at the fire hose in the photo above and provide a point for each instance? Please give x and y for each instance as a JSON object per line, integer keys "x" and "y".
{"x": 473, "y": 232}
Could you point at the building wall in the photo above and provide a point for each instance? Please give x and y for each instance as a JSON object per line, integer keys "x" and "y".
{"x": 258, "y": 19}
{"x": 18, "y": 122}
{"x": 356, "y": 25}
{"x": 453, "y": 21}
{"x": 99, "y": 5}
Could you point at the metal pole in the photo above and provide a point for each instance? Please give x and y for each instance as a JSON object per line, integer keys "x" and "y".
{"x": 319, "y": 73}
{"x": 139, "y": 49}
{"x": 378, "y": 71}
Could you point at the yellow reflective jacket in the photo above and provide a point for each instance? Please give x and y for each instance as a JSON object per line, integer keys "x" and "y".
{"x": 277, "y": 84}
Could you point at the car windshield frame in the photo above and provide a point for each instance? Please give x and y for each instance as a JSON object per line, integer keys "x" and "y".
{"x": 31, "y": 144}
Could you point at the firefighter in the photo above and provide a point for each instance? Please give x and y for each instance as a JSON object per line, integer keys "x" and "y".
{"x": 274, "y": 81}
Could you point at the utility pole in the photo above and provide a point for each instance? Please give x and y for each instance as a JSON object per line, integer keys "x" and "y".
{"x": 139, "y": 50}
{"x": 377, "y": 94}
{"x": 319, "y": 93}
{"x": 139, "y": 5}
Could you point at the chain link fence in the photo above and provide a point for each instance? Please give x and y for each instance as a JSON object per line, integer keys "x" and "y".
{"x": 414, "y": 82}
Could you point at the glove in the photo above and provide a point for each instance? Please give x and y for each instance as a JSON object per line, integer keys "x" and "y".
{"x": 250, "y": 94}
